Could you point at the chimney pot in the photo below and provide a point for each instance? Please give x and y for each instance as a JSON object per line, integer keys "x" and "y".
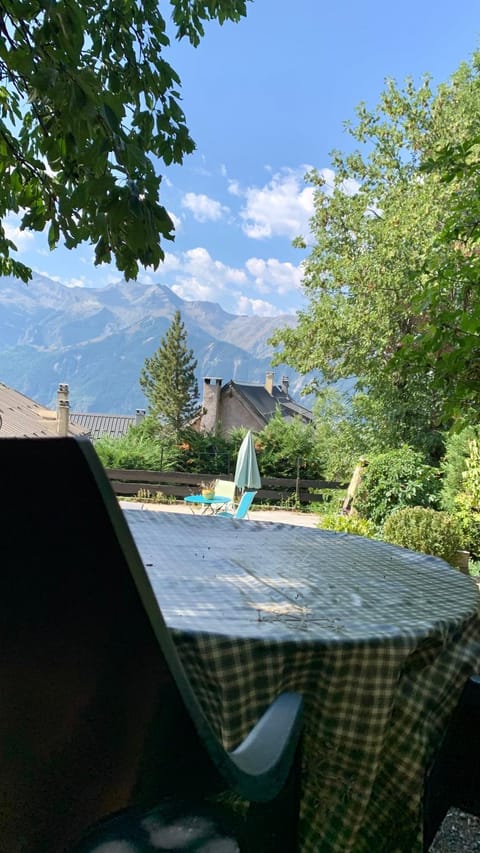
{"x": 63, "y": 410}
{"x": 212, "y": 387}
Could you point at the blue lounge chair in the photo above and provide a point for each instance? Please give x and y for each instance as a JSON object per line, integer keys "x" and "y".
{"x": 242, "y": 508}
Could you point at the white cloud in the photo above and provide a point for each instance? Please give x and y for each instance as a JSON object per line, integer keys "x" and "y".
{"x": 245, "y": 305}
{"x": 80, "y": 281}
{"x": 192, "y": 288}
{"x": 200, "y": 261}
{"x": 273, "y": 275}
{"x": 199, "y": 276}
{"x": 170, "y": 262}
{"x": 49, "y": 275}
{"x": 234, "y": 188}
{"x": 77, "y": 282}
{"x": 22, "y": 239}
{"x": 195, "y": 274}
{"x": 203, "y": 208}
{"x": 281, "y": 208}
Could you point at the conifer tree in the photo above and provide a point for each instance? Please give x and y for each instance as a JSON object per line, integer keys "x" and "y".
{"x": 168, "y": 379}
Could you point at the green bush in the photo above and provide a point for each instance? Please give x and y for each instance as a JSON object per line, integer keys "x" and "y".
{"x": 396, "y": 479}
{"x": 347, "y": 524}
{"x": 426, "y": 530}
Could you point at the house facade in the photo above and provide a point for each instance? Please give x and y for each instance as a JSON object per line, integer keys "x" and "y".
{"x": 242, "y": 404}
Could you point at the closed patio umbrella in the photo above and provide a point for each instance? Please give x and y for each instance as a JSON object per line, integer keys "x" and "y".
{"x": 247, "y": 475}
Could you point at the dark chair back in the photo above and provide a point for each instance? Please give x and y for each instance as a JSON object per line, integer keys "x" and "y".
{"x": 91, "y": 719}
{"x": 96, "y": 712}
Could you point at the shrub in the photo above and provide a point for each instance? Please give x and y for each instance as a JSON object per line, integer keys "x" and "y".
{"x": 286, "y": 448}
{"x": 347, "y": 524}
{"x": 130, "y": 451}
{"x": 396, "y": 479}
{"x": 425, "y": 530}
{"x": 466, "y": 504}
{"x": 454, "y": 465}
{"x": 468, "y": 517}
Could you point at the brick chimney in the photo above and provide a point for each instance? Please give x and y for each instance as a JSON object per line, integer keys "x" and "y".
{"x": 63, "y": 410}
{"x": 269, "y": 382}
{"x": 211, "y": 404}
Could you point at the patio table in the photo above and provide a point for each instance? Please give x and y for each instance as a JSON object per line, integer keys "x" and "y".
{"x": 378, "y": 639}
{"x": 206, "y": 503}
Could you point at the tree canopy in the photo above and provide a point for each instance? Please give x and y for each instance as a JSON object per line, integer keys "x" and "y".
{"x": 168, "y": 379}
{"x": 87, "y": 99}
{"x": 391, "y": 276}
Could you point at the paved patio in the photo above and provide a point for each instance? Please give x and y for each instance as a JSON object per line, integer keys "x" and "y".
{"x": 283, "y": 516}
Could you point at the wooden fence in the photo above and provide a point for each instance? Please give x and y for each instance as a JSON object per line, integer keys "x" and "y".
{"x": 129, "y": 482}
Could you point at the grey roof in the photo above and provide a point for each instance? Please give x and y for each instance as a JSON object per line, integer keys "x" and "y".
{"x": 24, "y": 418}
{"x": 265, "y": 404}
{"x": 96, "y": 425}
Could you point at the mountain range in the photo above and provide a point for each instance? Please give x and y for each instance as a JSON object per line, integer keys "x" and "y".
{"x": 97, "y": 340}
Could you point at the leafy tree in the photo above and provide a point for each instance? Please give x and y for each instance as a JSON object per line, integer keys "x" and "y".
{"x": 286, "y": 448}
{"x": 168, "y": 379}
{"x": 376, "y": 296}
{"x": 450, "y": 344}
{"x": 395, "y": 479}
{"x": 348, "y": 429}
{"x": 86, "y": 100}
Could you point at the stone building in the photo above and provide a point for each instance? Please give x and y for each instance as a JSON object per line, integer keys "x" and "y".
{"x": 242, "y": 404}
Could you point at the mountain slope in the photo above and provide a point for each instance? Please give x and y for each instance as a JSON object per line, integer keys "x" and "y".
{"x": 97, "y": 341}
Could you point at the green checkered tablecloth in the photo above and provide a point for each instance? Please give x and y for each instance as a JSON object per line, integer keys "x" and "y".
{"x": 379, "y": 641}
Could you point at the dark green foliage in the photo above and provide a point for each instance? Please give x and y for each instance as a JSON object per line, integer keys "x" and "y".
{"x": 168, "y": 379}
{"x": 395, "y": 479}
{"x": 205, "y": 453}
{"x": 147, "y": 447}
{"x": 425, "y": 530}
{"x": 87, "y": 100}
{"x": 132, "y": 451}
{"x": 287, "y": 447}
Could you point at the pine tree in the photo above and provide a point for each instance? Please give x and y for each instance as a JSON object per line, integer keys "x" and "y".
{"x": 168, "y": 379}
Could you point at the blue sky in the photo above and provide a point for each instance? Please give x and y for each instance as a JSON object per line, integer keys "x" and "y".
{"x": 266, "y": 99}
